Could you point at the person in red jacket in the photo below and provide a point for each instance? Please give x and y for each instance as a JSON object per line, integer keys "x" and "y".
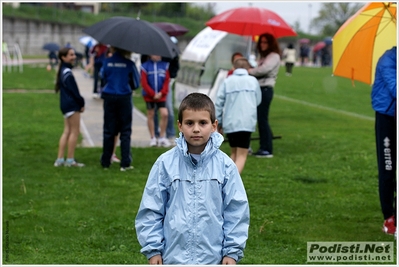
{"x": 155, "y": 83}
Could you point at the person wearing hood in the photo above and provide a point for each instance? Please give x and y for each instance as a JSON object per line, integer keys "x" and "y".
{"x": 194, "y": 209}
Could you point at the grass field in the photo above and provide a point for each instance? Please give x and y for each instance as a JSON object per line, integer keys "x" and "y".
{"x": 321, "y": 186}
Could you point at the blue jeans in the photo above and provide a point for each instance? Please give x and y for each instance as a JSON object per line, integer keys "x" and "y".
{"x": 265, "y": 132}
{"x": 118, "y": 117}
{"x": 170, "y": 128}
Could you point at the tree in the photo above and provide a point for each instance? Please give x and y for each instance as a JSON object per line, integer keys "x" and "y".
{"x": 333, "y": 15}
{"x": 297, "y": 26}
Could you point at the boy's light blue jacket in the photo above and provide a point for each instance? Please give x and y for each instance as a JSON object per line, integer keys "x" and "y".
{"x": 237, "y": 100}
{"x": 193, "y": 214}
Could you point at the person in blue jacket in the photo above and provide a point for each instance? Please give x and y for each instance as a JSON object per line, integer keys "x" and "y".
{"x": 383, "y": 100}
{"x": 236, "y": 110}
{"x": 120, "y": 76}
{"x": 71, "y": 104}
{"x": 194, "y": 209}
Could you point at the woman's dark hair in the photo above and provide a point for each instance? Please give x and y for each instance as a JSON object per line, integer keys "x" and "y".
{"x": 272, "y": 45}
{"x": 290, "y": 46}
{"x": 62, "y": 53}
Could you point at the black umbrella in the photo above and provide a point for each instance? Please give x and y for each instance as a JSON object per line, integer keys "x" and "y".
{"x": 51, "y": 47}
{"x": 133, "y": 35}
{"x": 171, "y": 28}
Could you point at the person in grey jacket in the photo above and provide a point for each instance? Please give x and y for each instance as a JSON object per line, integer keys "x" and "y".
{"x": 194, "y": 208}
{"x": 266, "y": 73}
{"x": 236, "y": 109}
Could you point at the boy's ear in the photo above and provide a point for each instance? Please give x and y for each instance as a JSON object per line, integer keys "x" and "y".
{"x": 179, "y": 125}
{"x": 215, "y": 125}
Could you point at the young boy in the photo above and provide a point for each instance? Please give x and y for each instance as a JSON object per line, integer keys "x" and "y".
{"x": 194, "y": 208}
{"x": 236, "y": 110}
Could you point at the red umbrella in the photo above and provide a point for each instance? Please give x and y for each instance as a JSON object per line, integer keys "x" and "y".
{"x": 251, "y": 21}
{"x": 171, "y": 28}
{"x": 319, "y": 46}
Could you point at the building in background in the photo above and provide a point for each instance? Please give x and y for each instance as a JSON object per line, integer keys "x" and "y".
{"x": 89, "y": 7}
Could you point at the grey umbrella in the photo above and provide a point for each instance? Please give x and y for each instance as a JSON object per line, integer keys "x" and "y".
{"x": 51, "y": 47}
{"x": 133, "y": 35}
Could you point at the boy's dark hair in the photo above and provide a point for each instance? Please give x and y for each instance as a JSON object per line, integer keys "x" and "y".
{"x": 197, "y": 102}
{"x": 62, "y": 53}
{"x": 241, "y": 63}
{"x": 234, "y": 55}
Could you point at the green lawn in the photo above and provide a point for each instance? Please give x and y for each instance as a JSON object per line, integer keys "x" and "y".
{"x": 321, "y": 185}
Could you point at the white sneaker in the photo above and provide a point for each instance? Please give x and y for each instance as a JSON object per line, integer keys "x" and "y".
{"x": 96, "y": 96}
{"x": 163, "y": 142}
{"x": 123, "y": 169}
{"x": 172, "y": 141}
{"x": 114, "y": 158}
{"x": 153, "y": 142}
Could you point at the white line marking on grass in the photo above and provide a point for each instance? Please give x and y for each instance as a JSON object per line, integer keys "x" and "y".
{"x": 325, "y": 108}
{"x": 86, "y": 133}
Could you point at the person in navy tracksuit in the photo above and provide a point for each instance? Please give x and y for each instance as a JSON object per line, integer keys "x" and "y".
{"x": 383, "y": 100}
{"x": 71, "y": 105}
{"x": 120, "y": 77}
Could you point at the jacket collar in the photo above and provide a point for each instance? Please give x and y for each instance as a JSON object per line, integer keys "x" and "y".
{"x": 66, "y": 65}
{"x": 213, "y": 144}
{"x": 240, "y": 72}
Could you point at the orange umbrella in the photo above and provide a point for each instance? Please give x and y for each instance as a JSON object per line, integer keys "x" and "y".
{"x": 362, "y": 39}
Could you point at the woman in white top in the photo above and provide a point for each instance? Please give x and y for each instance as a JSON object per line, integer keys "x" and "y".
{"x": 289, "y": 55}
{"x": 266, "y": 73}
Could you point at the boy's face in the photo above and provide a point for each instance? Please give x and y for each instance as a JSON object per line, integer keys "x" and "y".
{"x": 197, "y": 129}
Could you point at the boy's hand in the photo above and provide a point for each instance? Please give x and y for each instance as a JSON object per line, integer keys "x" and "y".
{"x": 156, "y": 260}
{"x": 228, "y": 261}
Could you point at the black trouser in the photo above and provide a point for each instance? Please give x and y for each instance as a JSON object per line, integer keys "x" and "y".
{"x": 265, "y": 132}
{"x": 288, "y": 67}
{"x": 117, "y": 119}
{"x": 385, "y": 133}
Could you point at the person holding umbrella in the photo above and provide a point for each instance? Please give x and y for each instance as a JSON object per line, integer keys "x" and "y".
{"x": 53, "y": 59}
{"x": 266, "y": 73}
{"x": 120, "y": 77}
{"x": 72, "y": 104}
